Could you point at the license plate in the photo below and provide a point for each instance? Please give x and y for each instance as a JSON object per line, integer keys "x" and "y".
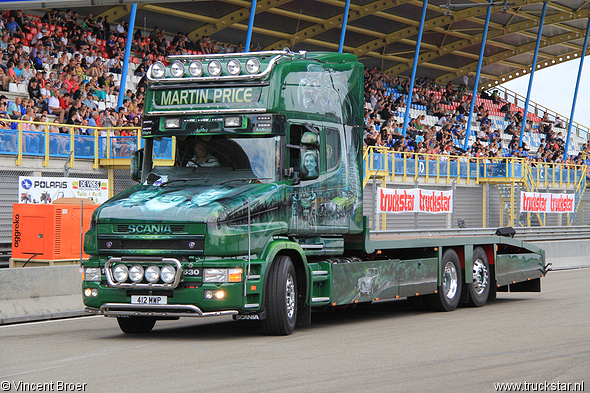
{"x": 138, "y": 299}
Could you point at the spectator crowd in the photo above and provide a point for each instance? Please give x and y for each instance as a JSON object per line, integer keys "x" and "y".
{"x": 69, "y": 66}
{"x": 446, "y": 137}
{"x": 69, "y": 63}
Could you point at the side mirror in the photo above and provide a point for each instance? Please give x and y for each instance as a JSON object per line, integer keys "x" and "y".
{"x": 310, "y": 138}
{"x": 136, "y": 165}
{"x": 309, "y": 167}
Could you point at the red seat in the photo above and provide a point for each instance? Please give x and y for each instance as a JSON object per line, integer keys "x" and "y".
{"x": 134, "y": 60}
{"x": 52, "y": 28}
{"x": 29, "y": 36}
{"x": 34, "y": 30}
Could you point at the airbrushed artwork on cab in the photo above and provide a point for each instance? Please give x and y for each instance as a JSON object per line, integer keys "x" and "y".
{"x": 364, "y": 281}
{"x": 223, "y": 208}
{"x": 332, "y": 203}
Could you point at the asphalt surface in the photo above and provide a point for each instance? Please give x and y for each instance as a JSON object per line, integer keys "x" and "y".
{"x": 385, "y": 347}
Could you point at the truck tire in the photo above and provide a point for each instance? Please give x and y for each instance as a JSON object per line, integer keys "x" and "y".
{"x": 479, "y": 289}
{"x": 280, "y": 298}
{"x": 449, "y": 292}
{"x": 136, "y": 325}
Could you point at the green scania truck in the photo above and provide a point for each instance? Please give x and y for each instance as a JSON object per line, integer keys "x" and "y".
{"x": 259, "y": 214}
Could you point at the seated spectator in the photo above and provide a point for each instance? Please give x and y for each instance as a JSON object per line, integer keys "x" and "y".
{"x": 54, "y": 107}
{"x": 13, "y": 28}
{"x": 15, "y": 109}
{"x": 5, "y": 79}
{"x": 559, "y": 122}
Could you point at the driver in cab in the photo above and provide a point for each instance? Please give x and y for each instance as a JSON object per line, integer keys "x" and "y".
{"x": 201, "y": 157}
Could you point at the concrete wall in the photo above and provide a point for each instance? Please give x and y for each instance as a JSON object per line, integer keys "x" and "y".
{"x": 39, "y": 293}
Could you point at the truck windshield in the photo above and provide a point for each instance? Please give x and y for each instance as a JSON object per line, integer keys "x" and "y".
{"x": 221, "y": 159}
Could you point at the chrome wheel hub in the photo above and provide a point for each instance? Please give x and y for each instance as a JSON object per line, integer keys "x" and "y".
{"x": 480, "y": 276}
{"x": 290, "y": 296}
{"x": 450, "y": 280}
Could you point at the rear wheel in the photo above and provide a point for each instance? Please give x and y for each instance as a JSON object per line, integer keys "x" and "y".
{"x": 280, "y": 298}
{"x": 449, "y": 292}
{"x": 136, "y": 325}
{"x": 479, "y": 289}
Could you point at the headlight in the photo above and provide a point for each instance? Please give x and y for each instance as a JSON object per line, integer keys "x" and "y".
{"x": 214, "y": 68}
{"x": 234, "y": 67}
{"x": 177, "y": 69}
{"x": 152, "y": 274}
{"x": 136, "y": 273}
{"x": 222, "y": 275}
{"x": 233, "y": 121}
{"x": 158, "y": 70}
{"x": 92, "y": 274}
{"x": 215, "y": 275}
{"x": 168, "y": 272}
{"x": 252, "y": 65}
{"x": 172, "y": 123}
{"x": 120, "y": 272}
{"x": 195, "y": 68}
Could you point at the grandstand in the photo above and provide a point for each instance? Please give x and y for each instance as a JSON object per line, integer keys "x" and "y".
{"x": 87, "y": 149}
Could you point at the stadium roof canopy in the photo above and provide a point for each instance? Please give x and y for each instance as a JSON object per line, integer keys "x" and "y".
{"x": 381, "y": 33}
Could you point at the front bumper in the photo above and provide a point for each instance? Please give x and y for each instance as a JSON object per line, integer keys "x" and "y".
{"x": 155, "y": 310}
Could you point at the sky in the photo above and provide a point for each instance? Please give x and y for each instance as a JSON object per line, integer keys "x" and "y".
{"x": 553, "y": 87}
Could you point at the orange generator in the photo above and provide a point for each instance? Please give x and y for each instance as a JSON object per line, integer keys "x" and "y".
{"x": 49, "y": 232}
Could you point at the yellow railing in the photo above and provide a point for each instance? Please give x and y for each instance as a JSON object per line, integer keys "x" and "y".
{"x": 505, "y": 172}
{"x": 381, "y": 162}
{"x": 46, "y": 128}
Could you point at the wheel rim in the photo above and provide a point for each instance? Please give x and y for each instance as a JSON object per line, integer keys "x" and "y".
{"x": 480, "y": 276}
{"x": 290, "y": 296}
{"x": 450, "y": 281}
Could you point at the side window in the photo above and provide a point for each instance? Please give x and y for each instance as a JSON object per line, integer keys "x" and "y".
{"x": 332, "y": 149}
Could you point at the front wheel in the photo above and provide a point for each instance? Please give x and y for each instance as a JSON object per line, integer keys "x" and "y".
{"x": 136, "y": 325}
{"x": 280, "y": 298}
{"x": 449, "y": 292}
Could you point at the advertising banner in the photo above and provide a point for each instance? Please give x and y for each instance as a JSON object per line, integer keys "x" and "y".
{"x": 537, "y": 202}
{"x": 414, "y": 200}
{"x": 47, "y": 189}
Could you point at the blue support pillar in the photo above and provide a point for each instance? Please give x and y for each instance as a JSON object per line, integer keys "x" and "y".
{"x": 476, "y": 82}
{"x": 528, "y": 93}
{"x": 569, "y": 126}
{"x": 344, "y": 23}
{"x": 127, "y": 52}
{"x": 250, "y": 25}
{"x": 414, "y": 68}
